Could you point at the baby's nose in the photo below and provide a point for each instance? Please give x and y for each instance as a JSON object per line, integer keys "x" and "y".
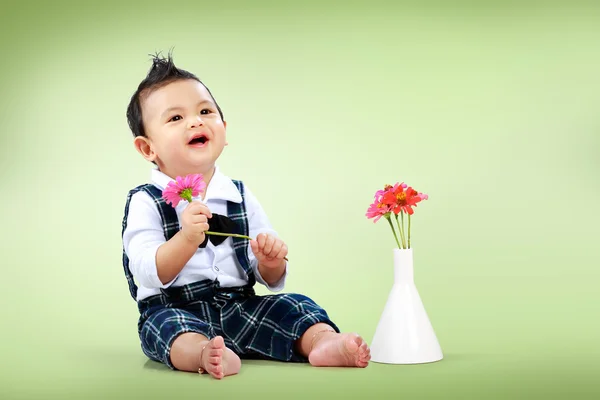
{"x": 195, "y": 122}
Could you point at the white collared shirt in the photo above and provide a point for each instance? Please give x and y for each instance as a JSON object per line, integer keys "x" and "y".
{"x": 144, "y": 235}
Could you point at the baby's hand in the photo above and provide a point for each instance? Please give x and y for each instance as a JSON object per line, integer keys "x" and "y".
{"x": 269, "y": 250}
{"x": 194, "y": 222}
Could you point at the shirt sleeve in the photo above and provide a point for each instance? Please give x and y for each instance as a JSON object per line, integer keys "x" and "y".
{"x": 258, "y": 222}
{"x": 142, "y": 237}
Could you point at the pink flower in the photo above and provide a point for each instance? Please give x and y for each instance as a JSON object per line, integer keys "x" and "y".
{"x": 379, "y": 209}
{"x": 183, "y": 189}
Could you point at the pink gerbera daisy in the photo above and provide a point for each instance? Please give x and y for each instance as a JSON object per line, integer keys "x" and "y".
{"x": 183, "y": 189}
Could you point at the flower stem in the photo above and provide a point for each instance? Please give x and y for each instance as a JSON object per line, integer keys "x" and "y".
{"x": 393, "y": 230}
{"x": 401, "y": 230}
{"x": 233, "y": 235}
{"x": 228, "y": 234}
{"x": 403, "y": 234}
{"x": 409, "y": 231}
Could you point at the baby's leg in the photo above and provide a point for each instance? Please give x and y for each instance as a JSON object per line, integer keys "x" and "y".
{"x": 285, "y": 329}
{"x": 324, "y": 347}
{"x": 179, "y": 339}
{"x": 194, "y": 352}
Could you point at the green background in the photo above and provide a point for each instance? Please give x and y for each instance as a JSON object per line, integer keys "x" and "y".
{"x": 490, "y": 108}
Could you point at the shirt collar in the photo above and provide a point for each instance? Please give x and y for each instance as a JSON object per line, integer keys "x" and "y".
{"x": 220, "y": 187}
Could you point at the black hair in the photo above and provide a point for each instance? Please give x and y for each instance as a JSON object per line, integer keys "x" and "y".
{"x": 162, "y": 72}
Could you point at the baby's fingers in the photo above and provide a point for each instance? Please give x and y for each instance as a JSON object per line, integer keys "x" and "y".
{"x": 282, "y": 252}
{"x": 269, "y": 243}
{"x": 198, "y": 219}
{"x": 198, "y": 208}
{"x": 261, "y": 239}
{"x": 255, "y": 249}
{"x": 275, "y": 250}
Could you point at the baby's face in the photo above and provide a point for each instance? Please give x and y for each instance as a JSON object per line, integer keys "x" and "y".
{"x": 184, "y": 128}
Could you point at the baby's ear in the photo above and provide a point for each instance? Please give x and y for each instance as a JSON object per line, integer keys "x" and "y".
{"x": 225, "y": 126}
{"x": 144, "y": 147}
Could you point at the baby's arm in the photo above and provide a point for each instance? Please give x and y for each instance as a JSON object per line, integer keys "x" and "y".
{"x": 172, "y": 256}
{"x": 270, "y": 270}
{"x": 153, "y": 261}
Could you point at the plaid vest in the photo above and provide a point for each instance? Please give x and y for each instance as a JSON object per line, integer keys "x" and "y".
{"x": 170, "y": 223}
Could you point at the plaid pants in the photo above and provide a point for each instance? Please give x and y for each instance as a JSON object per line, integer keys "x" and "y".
{"x": 252, "y": 326}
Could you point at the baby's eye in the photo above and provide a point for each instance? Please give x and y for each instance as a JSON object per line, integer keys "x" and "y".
{"x": 206, "y": 111}
{"x": 175, "y": 118}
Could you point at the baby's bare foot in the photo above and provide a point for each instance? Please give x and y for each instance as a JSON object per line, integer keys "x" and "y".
{"x": 218, "y": 360}
{"x": 340, "y": 350}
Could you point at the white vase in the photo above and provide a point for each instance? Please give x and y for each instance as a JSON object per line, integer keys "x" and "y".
{"x": 404, "y": 334}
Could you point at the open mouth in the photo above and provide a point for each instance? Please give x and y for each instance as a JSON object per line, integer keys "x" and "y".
{"x": 198, "y": 141}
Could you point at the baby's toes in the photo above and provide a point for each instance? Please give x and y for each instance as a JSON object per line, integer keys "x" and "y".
{"x": 364, "y": 350}
{"x": 216, "y": 371}
{"x": 359, "y": 340}
{"x": 215, "y": 353}
{"x": 352, "y": 345}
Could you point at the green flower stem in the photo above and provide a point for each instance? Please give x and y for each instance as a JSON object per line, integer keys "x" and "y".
{"x": 409, "y": 231}
{"x": 403, "y": 234}
{"x": 401, "y": 230}
{"x": 393, "y": 230}
{"x": 234, "y": 235}
{"x": 228, "y": 234}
